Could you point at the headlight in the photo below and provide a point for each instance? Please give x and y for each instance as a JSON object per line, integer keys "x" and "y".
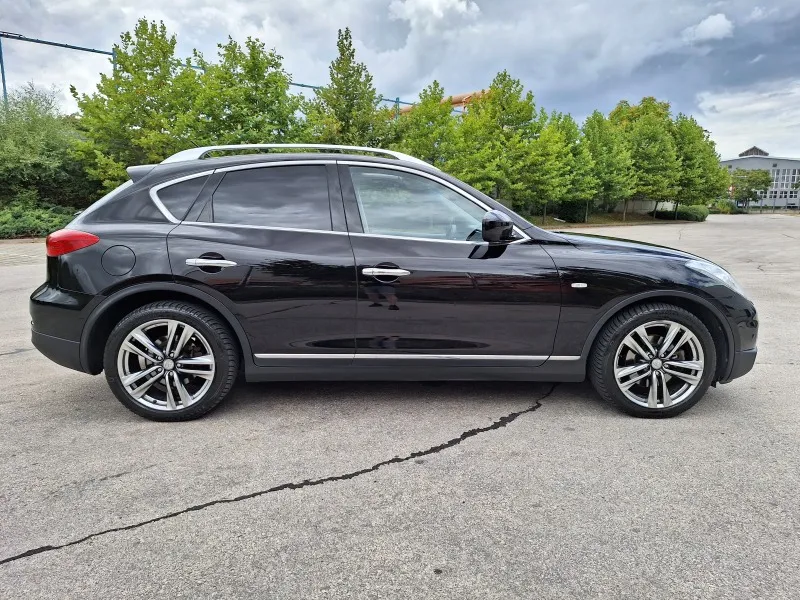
{"x": 717, "y": 273}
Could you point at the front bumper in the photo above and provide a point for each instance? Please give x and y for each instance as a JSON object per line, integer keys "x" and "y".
{"x": 743, "y": 362}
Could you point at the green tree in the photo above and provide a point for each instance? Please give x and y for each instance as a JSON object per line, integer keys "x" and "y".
{"x": 655, "y": 160}
{"x": 242, "y": 98}
{"x": 36, "y": 162}
{"x": 612, "y": 161}
{"x": 427, "y": 130}
{"x": 491, "y": 146}
{"x": 347, "y": 110}
{"x": 701, "y": 178}
{"x": 625, "y": 114}
{"x": 547, "y": 170}
{"x": 132, "y": 116}
{"x": 582, "y": 184}
{"x": 748, "y": 183}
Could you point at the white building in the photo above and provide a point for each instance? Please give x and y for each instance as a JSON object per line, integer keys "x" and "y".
{"x": 785, "y": 173}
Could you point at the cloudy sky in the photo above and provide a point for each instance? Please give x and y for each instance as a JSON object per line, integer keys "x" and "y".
{"x": 733, "y": 64}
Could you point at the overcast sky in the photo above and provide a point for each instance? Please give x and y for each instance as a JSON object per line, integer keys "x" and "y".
{"x": 733, "y": 64}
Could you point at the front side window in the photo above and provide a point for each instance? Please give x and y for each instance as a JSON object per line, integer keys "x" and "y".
{"x": 294, "y": 197}
{"x": 396, "y": 203}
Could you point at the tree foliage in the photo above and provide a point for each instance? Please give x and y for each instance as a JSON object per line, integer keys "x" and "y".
{"x": 748, "y": 183}
{"x": 36, "y": 160}
{"x": 613, "y": 164}
{"x": 428, "y": 130}
{"x": 155, "y": 103}
{"x": 348, "y": 109}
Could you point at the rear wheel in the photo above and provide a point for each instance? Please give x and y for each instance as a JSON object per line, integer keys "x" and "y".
{"x": 653, "y": 360}
{"x": 171, "y": 361}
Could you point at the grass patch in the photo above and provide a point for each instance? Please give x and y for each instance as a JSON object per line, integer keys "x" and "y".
{"x": 604, "y": 219}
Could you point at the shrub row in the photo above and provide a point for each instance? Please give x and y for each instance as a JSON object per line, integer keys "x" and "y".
{"x": 20, "y": 219}
{"x": 685, "y": 213}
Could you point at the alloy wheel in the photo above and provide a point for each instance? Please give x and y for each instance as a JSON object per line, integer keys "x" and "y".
{"x": 659, "y": 364}
{"x": 166, "y": 365}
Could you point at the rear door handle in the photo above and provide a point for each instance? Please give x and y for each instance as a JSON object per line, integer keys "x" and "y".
{"x": 210, "y": 262}
{"x": 382, "y": 272}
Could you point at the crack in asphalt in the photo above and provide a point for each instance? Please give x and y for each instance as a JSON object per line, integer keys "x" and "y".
{"x": 498, "y": 424}
{"x": 17, "y": 351}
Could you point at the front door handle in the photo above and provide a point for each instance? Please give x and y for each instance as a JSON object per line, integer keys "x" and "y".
{"x": 384, "y": 272}
{"x": 210, "y": 262}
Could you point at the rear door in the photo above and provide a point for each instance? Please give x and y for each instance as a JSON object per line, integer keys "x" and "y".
{"x": 429, "y": 287}
{"x": 268, "y": 241}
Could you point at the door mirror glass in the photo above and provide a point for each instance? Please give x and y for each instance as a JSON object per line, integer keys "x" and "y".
{"x": 497, "y": 227}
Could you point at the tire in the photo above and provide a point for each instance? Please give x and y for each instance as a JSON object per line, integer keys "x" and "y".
{"x": 191, "y": 382}
{"x": 622, "y": 367}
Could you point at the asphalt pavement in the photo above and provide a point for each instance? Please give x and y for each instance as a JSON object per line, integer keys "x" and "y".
{"x": 411, "y": 490}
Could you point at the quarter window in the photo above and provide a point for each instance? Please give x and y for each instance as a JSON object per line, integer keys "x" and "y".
{"x": 292, "y": 196}
{"x": 179, "y": 197}
{"x": 396, "y": 203}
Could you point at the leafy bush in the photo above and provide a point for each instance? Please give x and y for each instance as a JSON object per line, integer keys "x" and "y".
{"x": 724, "y": 207}
{"x": 24, "y": 217}
{"x": 685, "y": 213}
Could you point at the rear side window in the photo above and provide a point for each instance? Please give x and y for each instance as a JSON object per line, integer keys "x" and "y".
{"x": 179, "y": 197}
{"x": 292, "y": 196}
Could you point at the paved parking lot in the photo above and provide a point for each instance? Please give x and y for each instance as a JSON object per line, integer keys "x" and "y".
{"x": 407, "y": 490}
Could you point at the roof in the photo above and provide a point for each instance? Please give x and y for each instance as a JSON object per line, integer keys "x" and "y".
{"x": 772, "y": 158}
{"x": 754, "y": 151}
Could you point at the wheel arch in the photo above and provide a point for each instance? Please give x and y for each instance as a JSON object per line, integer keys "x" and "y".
{"x": 102, "y": 319}
{"x": 710, "y": 315}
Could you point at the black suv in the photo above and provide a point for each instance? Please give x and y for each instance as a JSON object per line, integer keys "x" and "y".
{"x": 346, "y": 265}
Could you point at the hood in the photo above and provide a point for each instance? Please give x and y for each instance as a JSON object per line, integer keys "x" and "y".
{"x": 601, "y": 243}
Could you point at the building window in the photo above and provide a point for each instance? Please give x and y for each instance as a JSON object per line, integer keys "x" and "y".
{"x": 792, "y": 193}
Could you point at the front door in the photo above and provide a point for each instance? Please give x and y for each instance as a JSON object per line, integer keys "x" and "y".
{"x": 430, "y": 289}
{"x": 265, "y": 242}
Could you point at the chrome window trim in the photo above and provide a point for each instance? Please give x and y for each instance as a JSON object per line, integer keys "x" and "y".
{"x": 447, "y": 184}
{"x": 160, "y": 205}
{"x": 265, "y": 227}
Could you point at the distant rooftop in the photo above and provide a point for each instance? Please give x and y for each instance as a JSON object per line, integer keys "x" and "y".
{"x": 754, "y": 151}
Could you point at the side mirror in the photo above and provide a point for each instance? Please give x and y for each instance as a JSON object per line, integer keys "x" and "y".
{"x": 497, "y": 227}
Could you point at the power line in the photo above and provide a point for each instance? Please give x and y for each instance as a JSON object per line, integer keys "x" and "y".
{"x": 23, "y": 38}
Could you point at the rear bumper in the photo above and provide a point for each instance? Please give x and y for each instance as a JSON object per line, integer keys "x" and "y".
{"x": 57, "y": 319}
{"x": 63, "y": 352}
{"x": 743, "y": 362}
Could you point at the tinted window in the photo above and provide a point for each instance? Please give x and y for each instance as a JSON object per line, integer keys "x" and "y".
{"x": 179, "y": 197}
{"x": 275, "y": 197}
{"x": 403, "y": 204}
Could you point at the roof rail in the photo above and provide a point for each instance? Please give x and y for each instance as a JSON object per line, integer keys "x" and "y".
{"x": 197, "y": 153}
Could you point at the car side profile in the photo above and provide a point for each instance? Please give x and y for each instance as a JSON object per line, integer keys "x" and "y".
{"x": 364, "y": 264}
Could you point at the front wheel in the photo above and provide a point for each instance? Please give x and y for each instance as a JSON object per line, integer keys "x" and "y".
{"x": 171, "y": 361}
{"x": 653, "y": 360}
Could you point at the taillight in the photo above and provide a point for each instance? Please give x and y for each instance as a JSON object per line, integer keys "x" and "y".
{"x": 65, "y": 241}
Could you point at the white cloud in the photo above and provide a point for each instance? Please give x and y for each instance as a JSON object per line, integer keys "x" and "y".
{"x": 758, "y": 58}
{"x": 767, "y": 116}
{"x": 713, "y": 27}
{"x": 759, "y": 14}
